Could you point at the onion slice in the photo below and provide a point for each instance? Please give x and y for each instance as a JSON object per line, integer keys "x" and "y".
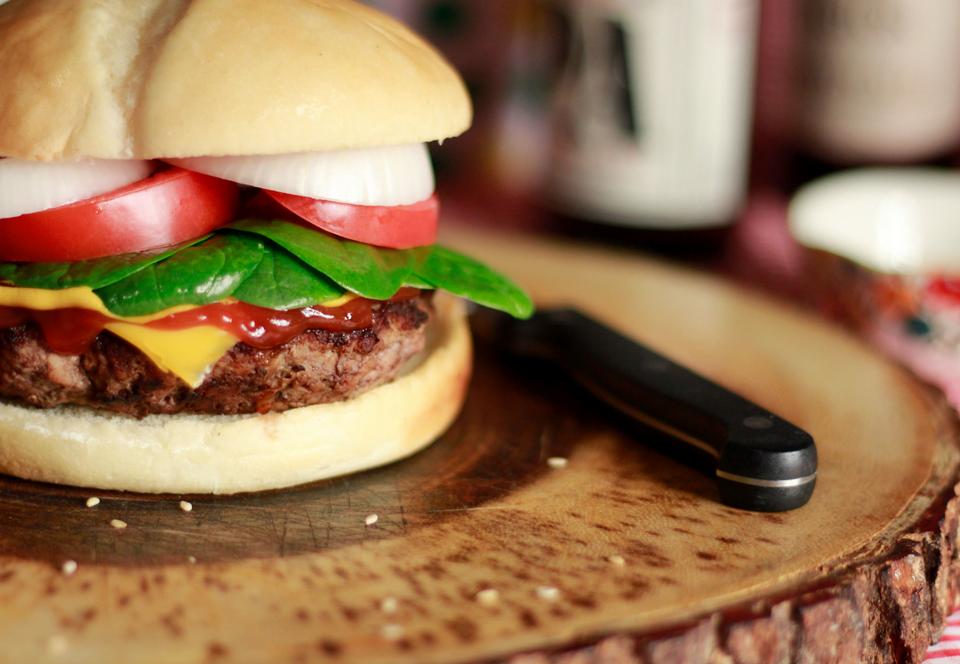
{"x": 33, "y": 186}
{"x": 390, "y": 175}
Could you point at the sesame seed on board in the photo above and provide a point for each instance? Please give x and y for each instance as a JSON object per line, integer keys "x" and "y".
{"x": 392, "y": 632}
{"x": 389, "y": 605}
{"x": 92, "y": 501}
{"x": 488, "y": 596}
{"x": 57, "y": 644}
{"x": 69, "y": 567}
{"x": 371, "y": 519}
{"x": 186, "y": 506}
{"x": 557, "y": 462}
{"x": 118, "y": 524}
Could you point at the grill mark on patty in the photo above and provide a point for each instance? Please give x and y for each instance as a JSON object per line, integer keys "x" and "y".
{"x": 316, "y": 366}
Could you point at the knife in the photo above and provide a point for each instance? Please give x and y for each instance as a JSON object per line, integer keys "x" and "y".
{"x": 761, "y": 462}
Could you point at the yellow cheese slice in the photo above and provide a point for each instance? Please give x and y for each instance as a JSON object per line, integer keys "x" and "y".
{"x": 81, "y": 297}
{"x": 42, "y": 299}
{"x": 338, "y": 301}
{"x": 188, "y": 353}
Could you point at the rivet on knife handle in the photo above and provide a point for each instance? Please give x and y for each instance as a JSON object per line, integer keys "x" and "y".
{"x": 763, "y": 462}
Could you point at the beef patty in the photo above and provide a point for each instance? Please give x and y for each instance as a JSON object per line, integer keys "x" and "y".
{"x": 316, "y": 366}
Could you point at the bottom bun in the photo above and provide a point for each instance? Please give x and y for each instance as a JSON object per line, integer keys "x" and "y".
{"x": 233, "y": 454}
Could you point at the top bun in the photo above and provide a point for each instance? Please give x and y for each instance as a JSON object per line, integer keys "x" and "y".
{"x": 184, "y": 78}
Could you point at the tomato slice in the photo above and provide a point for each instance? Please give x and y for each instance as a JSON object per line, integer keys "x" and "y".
{"x": 167, "y": 208}
{"x": 393, "y": 226}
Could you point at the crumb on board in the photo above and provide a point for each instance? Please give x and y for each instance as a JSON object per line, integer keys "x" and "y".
{"x": 57, "y": 644}
{"x": 93, "y": 501}
{"x": 389, "y": 605}
{"x": 371, "y": 519}
{"x": 617, "y": 560}
{"x": 186, "y": 506}
{"x": 392, "y": 631}
{"x": 488, "y": 596}
{"x": 557, "y": 462}
{"x": 548, "y": 593}
{"x": 69, "y": 567}
{"x": 118, "y": 523}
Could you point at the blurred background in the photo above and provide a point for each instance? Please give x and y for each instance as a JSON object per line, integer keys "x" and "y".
{"x": 685, "y": 125}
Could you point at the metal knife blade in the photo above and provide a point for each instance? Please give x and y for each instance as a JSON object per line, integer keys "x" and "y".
{"x": 761, "y": 461}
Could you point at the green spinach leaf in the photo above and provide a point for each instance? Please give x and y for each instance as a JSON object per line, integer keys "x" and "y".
{"x": 468, "y": 278}
{"x": 201, "y": 274}
{"x": 378, "y": 273}
{"x": 273, "y": 264}
{"x": 94, "y": 273}
{"x": 282, "y": 281}
{"x": 365, "y": 270}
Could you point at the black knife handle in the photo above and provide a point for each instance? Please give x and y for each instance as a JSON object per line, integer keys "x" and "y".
{"x": 763, "y": 462}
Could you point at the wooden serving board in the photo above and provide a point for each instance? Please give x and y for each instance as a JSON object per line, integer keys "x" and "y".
{"x": 646, "y": 565}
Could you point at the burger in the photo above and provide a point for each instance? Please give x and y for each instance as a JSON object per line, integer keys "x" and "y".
{"x": 218, "y": 268}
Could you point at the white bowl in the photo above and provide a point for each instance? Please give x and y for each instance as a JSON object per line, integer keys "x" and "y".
{"x": 884, "y": 255}
{"x": 893, "y": 220}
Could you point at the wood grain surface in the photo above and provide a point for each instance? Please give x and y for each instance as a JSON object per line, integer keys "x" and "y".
{"x": 483, "y": 551}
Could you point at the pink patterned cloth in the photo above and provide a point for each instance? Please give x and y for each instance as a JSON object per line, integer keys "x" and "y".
{"x": 947, "y": 651}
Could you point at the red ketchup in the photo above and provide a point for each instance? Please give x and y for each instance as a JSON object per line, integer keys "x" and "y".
{"x": 71, "y": 331}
